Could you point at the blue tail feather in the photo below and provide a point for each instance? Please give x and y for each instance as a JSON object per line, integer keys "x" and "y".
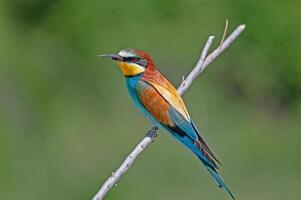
{"x": 219, "y": 180}
{"x": 209, "y": 165}
{"x": 188, "y": 143}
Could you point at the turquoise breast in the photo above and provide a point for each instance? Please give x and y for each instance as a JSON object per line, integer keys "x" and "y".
{"x": 131, "y": 83}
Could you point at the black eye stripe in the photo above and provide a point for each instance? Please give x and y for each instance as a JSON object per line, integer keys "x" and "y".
{"x": 131, "y": 59}
{"x": 140, "y": 61}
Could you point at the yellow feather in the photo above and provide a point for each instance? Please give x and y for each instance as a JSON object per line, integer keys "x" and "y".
{"x": 130, "y": 69}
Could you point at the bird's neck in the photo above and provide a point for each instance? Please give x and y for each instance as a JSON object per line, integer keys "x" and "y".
{"x": 132, "y": 80}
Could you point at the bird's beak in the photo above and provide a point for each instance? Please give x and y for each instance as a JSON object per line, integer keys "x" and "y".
{"x": 112, "y": 56}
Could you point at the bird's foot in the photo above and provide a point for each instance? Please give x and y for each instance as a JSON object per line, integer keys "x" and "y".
{"x": 152, "y": 133}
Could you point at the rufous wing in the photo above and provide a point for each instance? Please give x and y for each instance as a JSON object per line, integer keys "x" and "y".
{"x": 167, "y": 91}
{"x": 153, "y": 102}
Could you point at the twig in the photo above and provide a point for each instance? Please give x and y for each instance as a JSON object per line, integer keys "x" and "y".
{"x": 202, "y": 63}
{"x": 225, "y": 32}
{"x": 229, "y": 40}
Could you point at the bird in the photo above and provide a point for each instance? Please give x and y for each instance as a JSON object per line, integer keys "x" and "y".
{"x": 163, "y": 106}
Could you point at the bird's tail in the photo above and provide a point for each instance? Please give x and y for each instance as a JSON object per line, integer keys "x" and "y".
{"x": 213, "y": 169}
{"x": 204, "y": 154}
{"x": 219, "y": 180}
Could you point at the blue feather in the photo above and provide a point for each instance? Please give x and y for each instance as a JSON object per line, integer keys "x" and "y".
{"x": 182, "y": 123}
{"x": 217, "y": 177}
{"x": 219, "y": 180}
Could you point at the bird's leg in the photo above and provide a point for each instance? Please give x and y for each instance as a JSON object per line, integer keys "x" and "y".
{"x": 152, "y": 133}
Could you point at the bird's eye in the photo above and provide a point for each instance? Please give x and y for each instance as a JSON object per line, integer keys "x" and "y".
{"x": 134, "y": 59}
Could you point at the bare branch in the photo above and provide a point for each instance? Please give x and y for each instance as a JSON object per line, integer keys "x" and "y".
{"x": 198, "y": 68}
{"x": 202, "y": 63}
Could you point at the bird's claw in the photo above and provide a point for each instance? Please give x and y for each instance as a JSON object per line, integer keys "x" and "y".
{"x": 152, "y": 133}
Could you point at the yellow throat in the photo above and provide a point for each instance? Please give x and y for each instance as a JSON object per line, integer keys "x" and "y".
{"x": 130, "y": 69}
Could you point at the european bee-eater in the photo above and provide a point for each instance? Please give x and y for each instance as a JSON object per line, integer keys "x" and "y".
{"x": 159, "y": 102}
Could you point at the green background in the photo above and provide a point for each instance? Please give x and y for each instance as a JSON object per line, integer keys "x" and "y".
{"x": 66, "y": 121}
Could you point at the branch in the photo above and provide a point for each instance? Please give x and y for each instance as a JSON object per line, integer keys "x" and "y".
{"x": 202, "y": 63}
{"x": 197, "y": 69}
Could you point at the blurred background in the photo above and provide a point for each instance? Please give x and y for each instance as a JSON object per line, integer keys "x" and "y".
{"x": 66, "y": 121}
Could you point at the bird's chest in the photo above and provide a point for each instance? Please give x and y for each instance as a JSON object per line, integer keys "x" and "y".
{"x": 131, "y": 83}
{"x": 131, "y": 86}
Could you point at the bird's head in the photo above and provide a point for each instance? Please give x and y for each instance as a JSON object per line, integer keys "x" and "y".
{"x": 132, "y": 62}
